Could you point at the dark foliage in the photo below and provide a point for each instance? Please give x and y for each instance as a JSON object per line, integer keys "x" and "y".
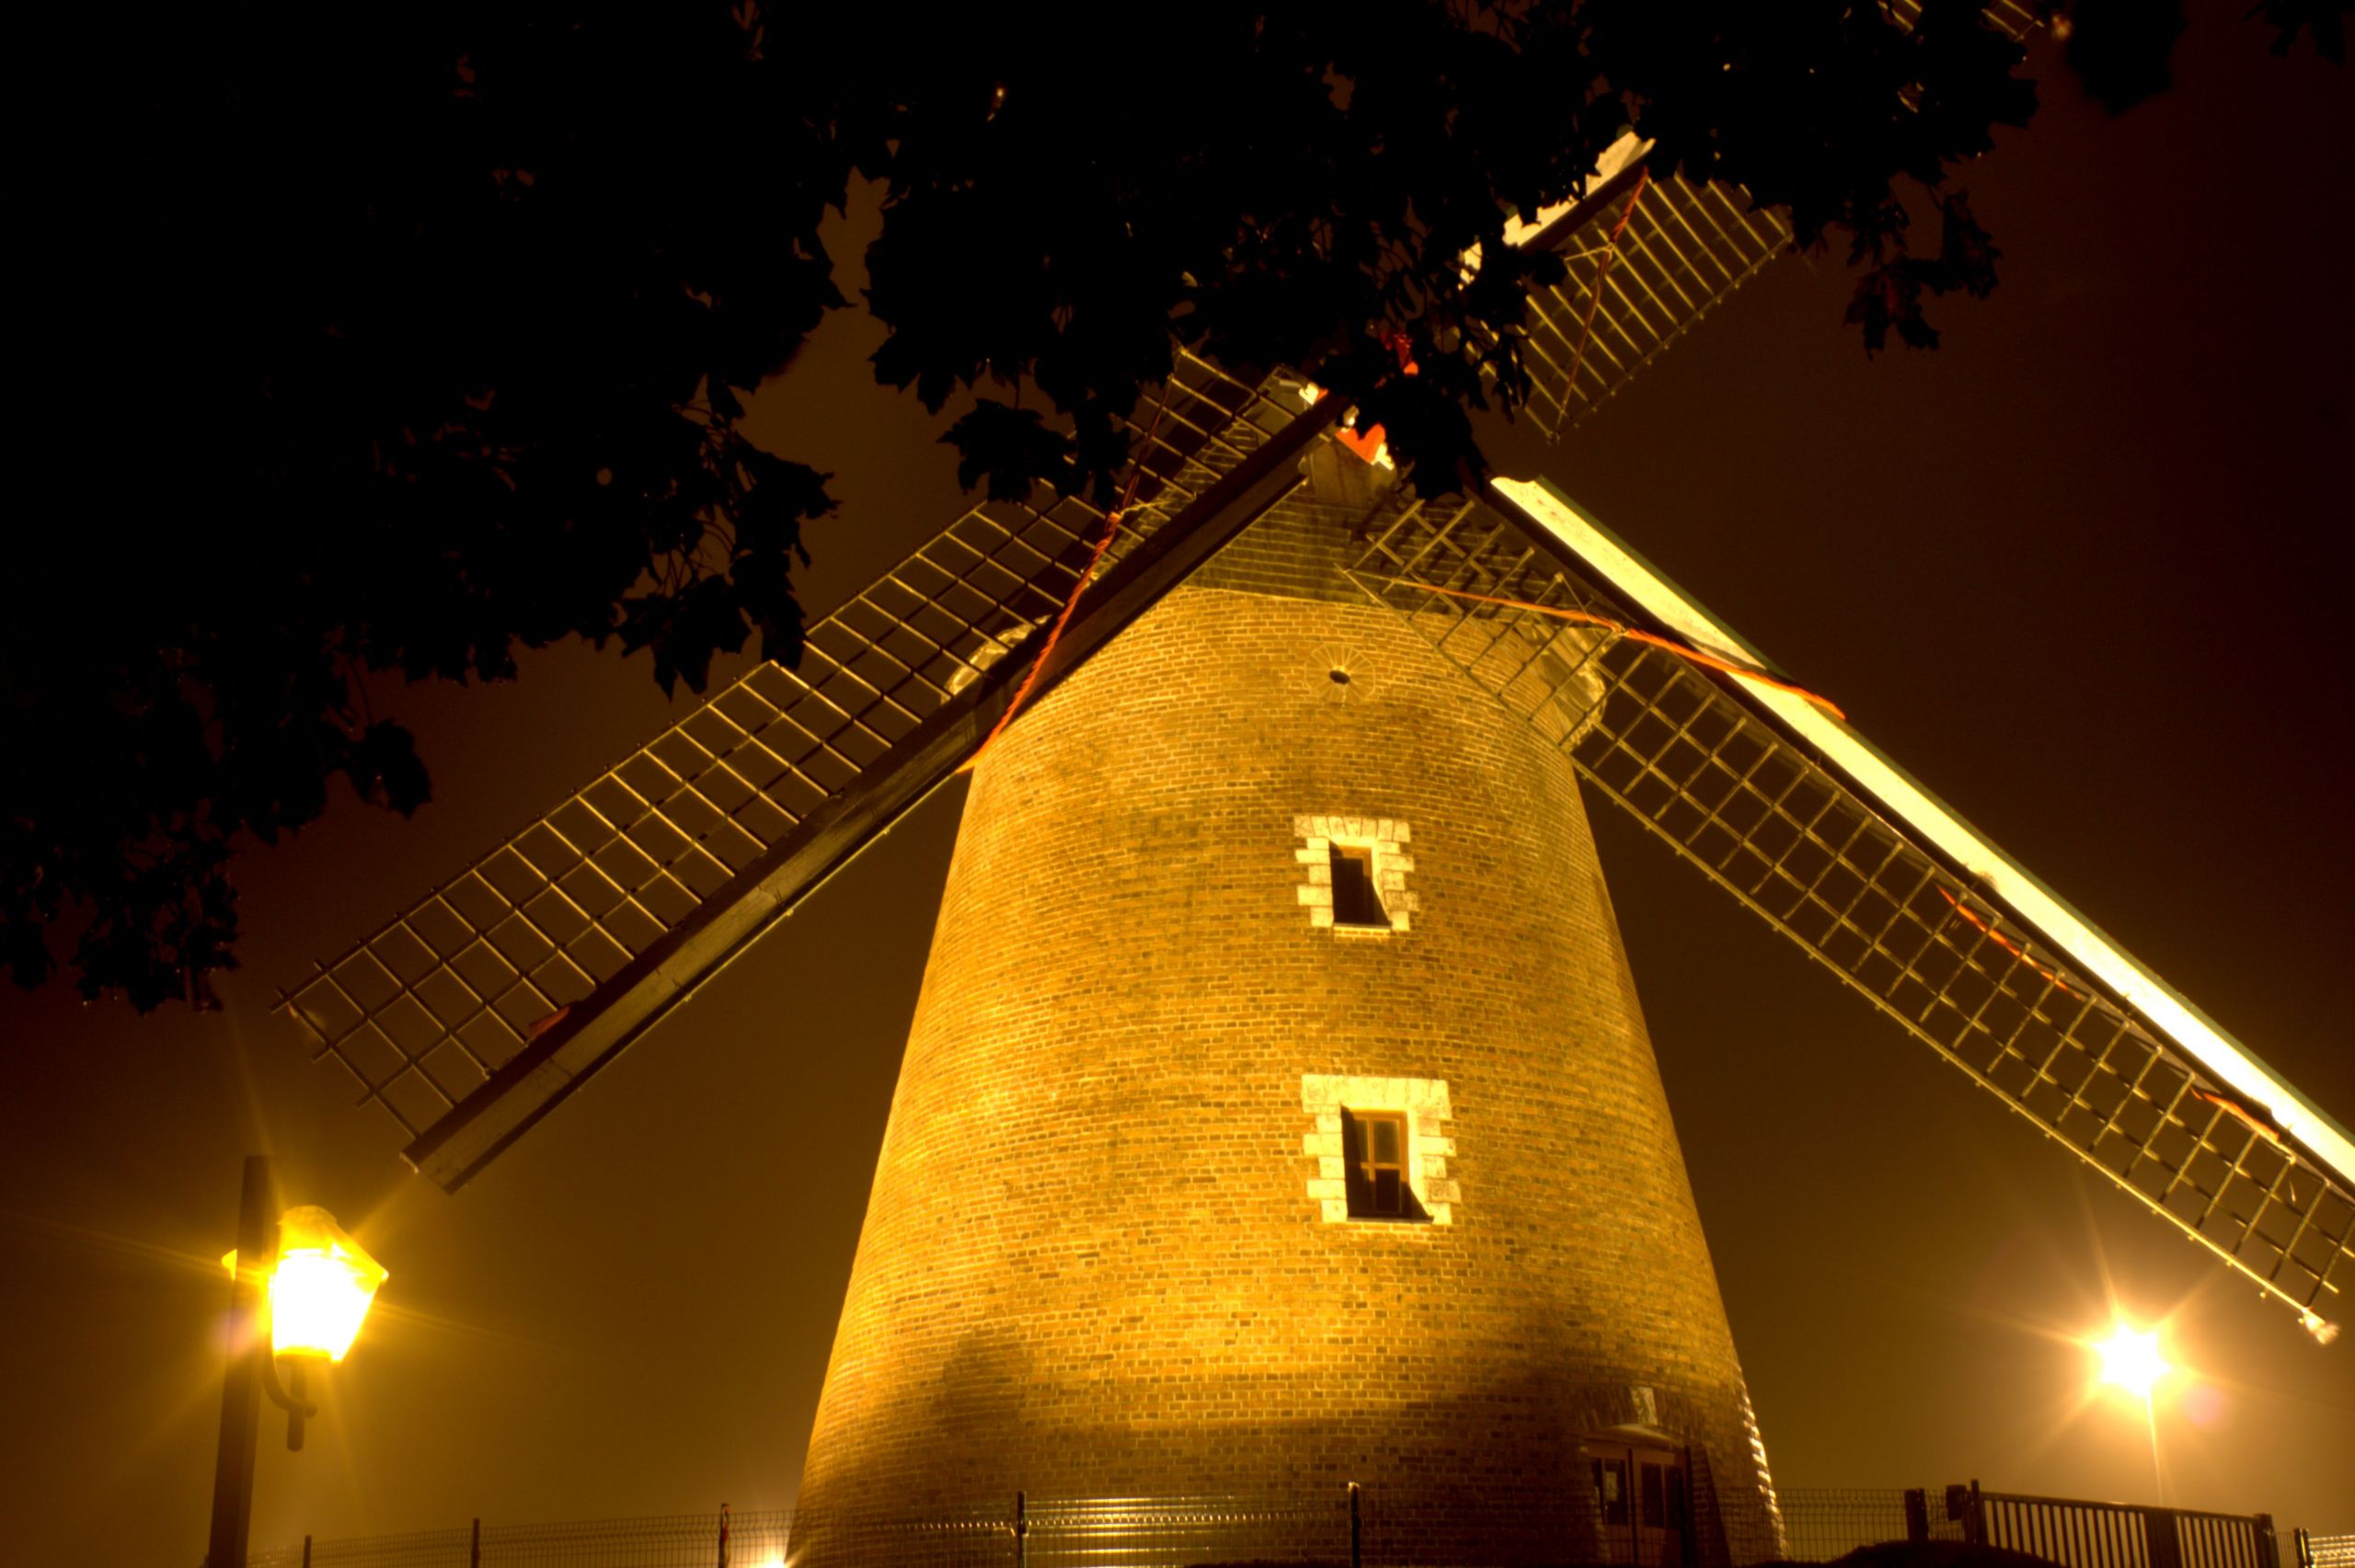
{"x": 2120, "y": 49}
{"x": 2291, "y": 19}
{"x": 393, "y": 337}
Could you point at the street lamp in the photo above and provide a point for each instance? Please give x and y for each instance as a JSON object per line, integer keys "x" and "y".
{"x": 2130, "y": 1360}
{"x": 2131, "y": 1363}
{"x": 320, "y": 1287}
{"x": 299, "y": 1288}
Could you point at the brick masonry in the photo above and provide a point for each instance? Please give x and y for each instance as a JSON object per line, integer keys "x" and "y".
{"x": 1100, "y": 1257}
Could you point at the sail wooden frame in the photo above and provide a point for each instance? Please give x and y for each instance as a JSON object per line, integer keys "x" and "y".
{"x": 470, "y": 1014}
{"x": 507, "y": 983}
{"x": 1668, "y": 712}
{"x": 474, "y": 1013}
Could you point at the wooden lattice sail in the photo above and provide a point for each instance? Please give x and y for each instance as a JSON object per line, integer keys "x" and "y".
{"x": 1127, "y": 1162}
{"x": 476, "y": 1011}
{"x": 1670, "y": 713}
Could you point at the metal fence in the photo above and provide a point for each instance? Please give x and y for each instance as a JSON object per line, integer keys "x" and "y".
{"x": 754, "y": 1539}
{"x": 2119, "y": 1535}
{"x": 1346, "y": 1526}
{"x": 1174, "y": 1533}
{"x": 1822, "y": 1524}
{"x": 2326, "y": 1550}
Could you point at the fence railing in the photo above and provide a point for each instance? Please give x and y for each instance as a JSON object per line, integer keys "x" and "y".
{"x": 2120, "y": 1535}
{"x": 1174, "y": 1533}
{"x": 1823, "y": 1524}
{"x": 1345, "y": 1525}
{"x": 2326, "y": 1550}
{"x": 755, "y": 1539}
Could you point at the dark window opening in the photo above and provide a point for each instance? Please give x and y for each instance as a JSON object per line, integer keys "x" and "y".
{"x": 1610, "y": 1490}
{"x": 1356, "y": 900}
{"x": 1654, "y": 1480}
{"x": 1373, "y": 1147}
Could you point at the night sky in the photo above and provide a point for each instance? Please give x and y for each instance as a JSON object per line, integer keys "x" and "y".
{"x": 2083, "y": 572}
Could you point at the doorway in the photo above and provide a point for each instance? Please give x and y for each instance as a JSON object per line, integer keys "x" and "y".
{"x": 1642, "y": 1509}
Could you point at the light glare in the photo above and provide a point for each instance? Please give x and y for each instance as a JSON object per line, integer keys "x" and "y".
{"x": 322, "y": 1287}
{"x": 2131, "y": 1360}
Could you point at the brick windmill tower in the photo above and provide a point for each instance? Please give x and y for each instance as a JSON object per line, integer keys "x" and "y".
{"x": 1278, "y": 1111}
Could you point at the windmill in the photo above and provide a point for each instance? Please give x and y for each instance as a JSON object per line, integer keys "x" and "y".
{"x": 1517, "y": 595}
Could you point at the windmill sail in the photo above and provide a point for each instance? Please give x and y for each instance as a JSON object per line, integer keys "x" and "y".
{"x": 1651, "y": 256}
{"x": 476, "y": 1011}
{"x": 1669, "y": 714}
{"x": 471, "y": 1013}
{"x": 1647, "y": 255}
{"x": 480, "y": 1009}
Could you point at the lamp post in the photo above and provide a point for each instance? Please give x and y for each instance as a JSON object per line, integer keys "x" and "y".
{"x": 298, "y": 1287}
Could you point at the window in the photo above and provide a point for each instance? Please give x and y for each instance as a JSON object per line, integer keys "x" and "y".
{"x": 1610, "y": 1490}
{"x": 1356, "y": 870}
{"x": 1380, "y": 1147}
{"x": 1663, "y": 1496}
{"x": 1374, "y": 1150}
{"x": 1356, "y": 901}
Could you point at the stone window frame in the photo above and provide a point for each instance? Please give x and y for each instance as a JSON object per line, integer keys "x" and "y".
{"x": 1385, "y": 839}
{"x": 1424, "y": 1101}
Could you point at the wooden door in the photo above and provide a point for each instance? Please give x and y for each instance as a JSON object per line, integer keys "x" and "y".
{"x": 1642, "y": 1509}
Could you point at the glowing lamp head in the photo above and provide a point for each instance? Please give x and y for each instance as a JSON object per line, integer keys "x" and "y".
{"x": 322, "y": 1285}
{"x": 2130, "y": 1360}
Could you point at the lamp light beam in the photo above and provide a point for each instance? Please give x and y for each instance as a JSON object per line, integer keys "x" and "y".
{"x": 2130, "y": 1360}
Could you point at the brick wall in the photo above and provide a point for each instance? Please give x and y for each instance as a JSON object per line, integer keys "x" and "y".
{"x": 1097, "y": 1260}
